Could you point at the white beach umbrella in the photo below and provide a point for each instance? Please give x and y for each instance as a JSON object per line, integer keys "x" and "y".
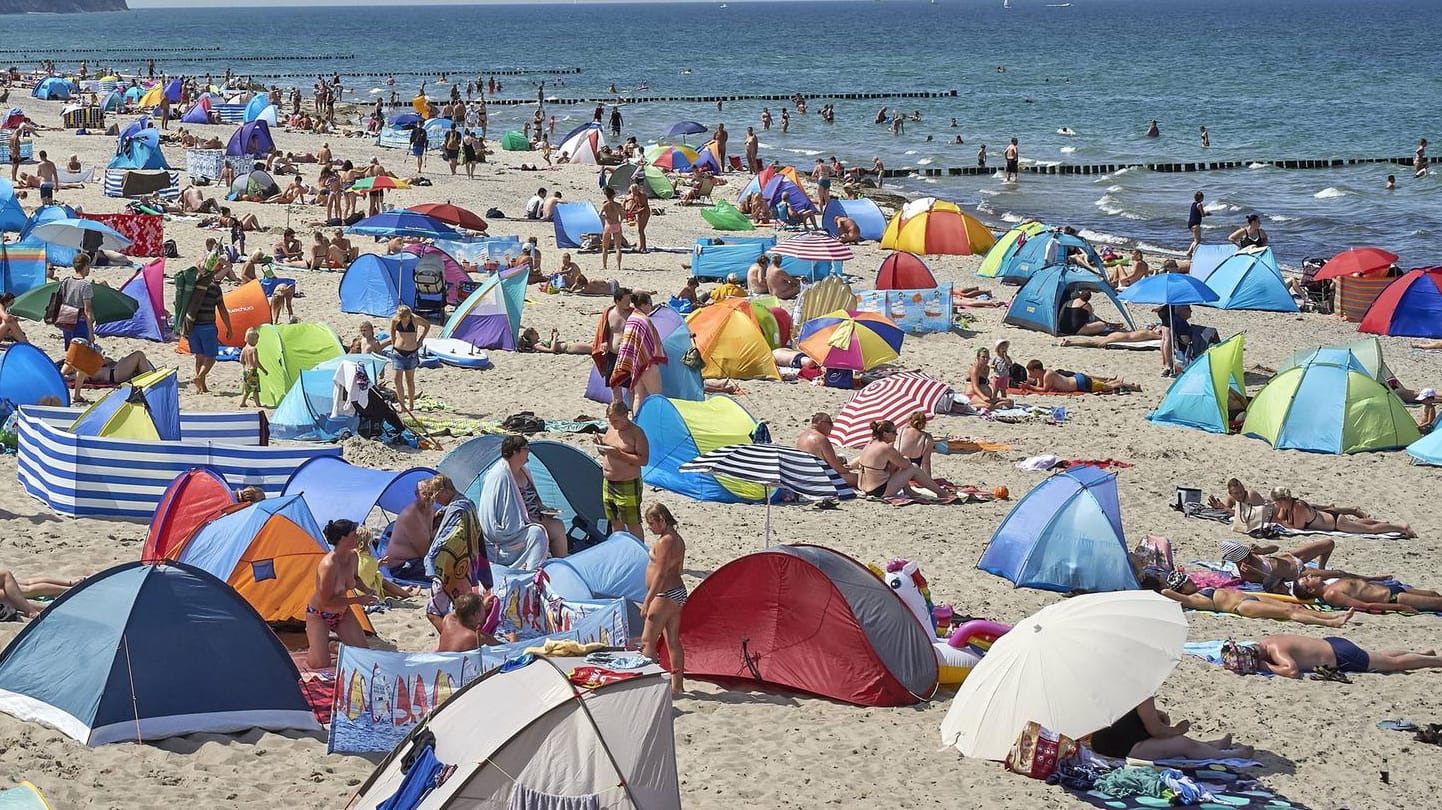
{"x": 1075, "y": 667}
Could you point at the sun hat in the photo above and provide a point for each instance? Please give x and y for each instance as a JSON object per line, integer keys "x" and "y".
{"x": 1232, "y": 551}
{"x": 1427, "y": 393}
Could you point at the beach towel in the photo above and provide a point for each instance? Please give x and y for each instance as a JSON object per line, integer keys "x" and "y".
{"x": 1211, "y": 652}
{"x": 456, "y": 552}
{"x": 1278, "y": 530}
{"x": 1195, "y": 509}
{"x": 640, "y": 349}
{"x": 85, "y": 175}
{"x": 601, "y": 343}
{"x": 146, "y": 232}
{"x": 970, "y": 446}
{"x": 507, "y": 527}
{"x": 1227, "y": 789}
{"x": 1099, "y": 463}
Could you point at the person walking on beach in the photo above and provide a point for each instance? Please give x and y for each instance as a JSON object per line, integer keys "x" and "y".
{"x": 1013, "y": 161}
{"x": 624, "y": 451}
{"x": 720, "y": 139}
{"x": 753, "y": 151}
{"x": 1419, "y": 162}
{"x": 419, "y": 142}
{"x": 1194, "y": 222}
{"x": 611, "y": 213}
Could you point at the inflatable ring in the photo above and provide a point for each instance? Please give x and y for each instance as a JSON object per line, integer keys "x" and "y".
{"x": 953, "y": 664}
{"x": 976, "y": 630}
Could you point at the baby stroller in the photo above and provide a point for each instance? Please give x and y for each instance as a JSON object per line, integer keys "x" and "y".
{"x": 1318, "y": 296}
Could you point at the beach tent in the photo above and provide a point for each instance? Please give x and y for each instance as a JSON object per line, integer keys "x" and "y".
{"x": 1428, "y": 449}
{"x": 375, "y": 285}
{"x": 708, "y": 159}
{"x": 256, "y": 185}
{"x": 147, "y": 287}
{"x": 1363, "y": 355}
{"x": 256, "y": 106}
{"x": 1064, "y": 535}
{"x": 139, "y": 168}
{"x": 147, "y": 408}
{"x": 1325, "y": 407}
{"x": 28, "y": 375}
{"x": 652, "y": 178}
{"x": 778, "y": 186}
{"x": 928, "y": 226}
{"x": 247, "y": 304}
{"x": 679, "y": 431}
{"x": 22, "y": 266}
{"x": 12, "y": 216}
{"x": 1198, "y": 397}
{"x": 1039, "y": 302}
{"x": 573, "y": 221}
{"x": 723, "y": 216}
{"x": 515, "y": 141}
{"x": 714, "y": 260}
{"x": 1411, "y": 306}
{"x": 140, "y": 652}
{"x": 731, "y": 341}
{"x": 863, "y": 212}
{"x": 430, "y": 258}
{"x": 582, "y": 145}
{"x": 1006, "y": 246}
{"x": 1044, "y": 250}
{"x": 139, "y": 153}
{"x": 174, "y": 89}
{"x": 1207, "y": 258}
{"x": 614, "y": 569}
{"x": 893, "y": 397}
{"x": 24, "y": 796}
{"x": 53, "y": 89}
{"x": 525, "y": 736}
{"x": 490, "y": 317}
{"x": 1250, "y": 279}
{"x": 305, "y": 412}
{"x": 678, "y": 380}
{"x": 251, "y": 138}
{"x": 112, "y": 101}
{"x": 812, "y": 619}
{"x": 335, "y": 489}
{"x": 153, "y": 96}
{"x": 285, "y": 350}
{"x": 267, "y": 551}
{"x": 54, "y": 254}
{"x": 199, "y": 112}
{"x": 567, "y": 479}
{"x": 904, "y": 271}
{"x": 191, "y": 500}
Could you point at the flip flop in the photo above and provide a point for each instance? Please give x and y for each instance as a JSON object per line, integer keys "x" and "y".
{"x": 1326, "y": 673}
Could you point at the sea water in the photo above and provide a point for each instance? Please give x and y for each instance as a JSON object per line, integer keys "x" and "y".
{"x": 1284, "y": 79}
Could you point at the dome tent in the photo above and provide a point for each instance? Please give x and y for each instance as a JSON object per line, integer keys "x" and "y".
{"x": 1198, "y": 397}
{"x": 1039, "y": 303}
{"x": 1006, "y": 246}
{"x": 567, "y": 479}
{"x": 1043, "y": 250}
{"x": 928, "y": 226}
{"x": 1250, "y": 279}
{"x": 1411, "y": 306}
{"x": 1327, "y": 407}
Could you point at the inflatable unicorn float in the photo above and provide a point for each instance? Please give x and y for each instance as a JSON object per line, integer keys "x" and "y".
{"x": 957, "y": 649}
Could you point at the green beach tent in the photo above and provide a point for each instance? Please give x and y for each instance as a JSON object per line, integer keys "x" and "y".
{"x": 285, "y": 350}
{"x": 1327, "y": 407}
{"x": 514, "y": 141}
{"x": 1198, "y": 397}
{"x": 723, "y": 216}
{"x": 1006, "y": 246}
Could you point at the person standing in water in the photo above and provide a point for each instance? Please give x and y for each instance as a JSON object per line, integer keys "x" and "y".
{"x": 1194, "y": 222}
{"x": 1152, "y": 130}
{"x": 1206, "y": 139}
{"x": 1013, "y": 162}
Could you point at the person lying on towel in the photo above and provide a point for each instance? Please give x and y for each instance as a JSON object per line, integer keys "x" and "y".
{"x": 1361, "y": 593}
{"x": 1039, "y": 379}
{"x": 1292, "y": 656}
{"x": 1178, "y": 587}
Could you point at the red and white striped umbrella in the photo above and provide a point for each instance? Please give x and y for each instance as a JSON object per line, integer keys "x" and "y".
{"x": 895, "y": 398}
{"x": 814, "y": 246}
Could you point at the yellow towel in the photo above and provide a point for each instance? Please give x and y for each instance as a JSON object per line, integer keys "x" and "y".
{"x": 565, "y": 648}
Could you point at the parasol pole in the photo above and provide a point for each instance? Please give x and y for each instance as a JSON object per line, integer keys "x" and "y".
{"x": 768, "y": 516}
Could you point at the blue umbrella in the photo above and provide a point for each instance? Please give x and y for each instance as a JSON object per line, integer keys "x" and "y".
{"x": 683, "y": 128}
{"x": 72, "y": 233}
{"x": 406, "y": 120}
{"x": 1170, "y": 290}
{"x": 404, "y": 223}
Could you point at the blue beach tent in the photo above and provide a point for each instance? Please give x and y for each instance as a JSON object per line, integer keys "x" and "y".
{"x": 1039, "y": 303}
{"x": 572, "y": 220}
{"x": 375, "y": 284}
{"x": 22, "y": 266}
{"x": 679, "y": 431}
{"x": 863, "y": 212}
{"x": 678, "y": 380}
{"x": 12, "y": 216}
{"x": 1197, "y": 398}
{"x": 1428, "y": 449}
{"x": 145, "y": 408}
{"x": 304, "y": 412}
{"x": 1250, "y": 280}
{"x": 1064, "y": 535}
{"x": 255, "y": 107}
{"x": 614, "y": 569}
{"x": 568, "y": 479}
{"x": 335, "y": 489}
{"x": 148, "y": 652}
{"x": 54, "y": 254}
{"x": 251, "y": 138}
{"x": 28, "y": 375}
{"x": 1207, "y": 258}
{"x": 1044, "y": 250}
{"x": 53, "y": 89}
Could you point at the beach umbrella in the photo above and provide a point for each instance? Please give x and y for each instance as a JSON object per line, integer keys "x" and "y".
{"x": 406, "y": 120}
{"x": 681, "y": 129}
{"x": 380, "y": 183}
{"x": 849, "y": 339}
{"x": 451, "y": 215}
{"x": 1170, "y": 290}
{"x": 73, "y": 232}
{"x": 108, "y": 304}
{"x": 773, "y": 466}
{"x": 404, "y": 223}
{"x": 814, "y": 247}
{"x": 894, "y": 398}
{"x": 1075, "y": 667}
{"x": 1360, "y": 261}
{"x": 673, "y": 157}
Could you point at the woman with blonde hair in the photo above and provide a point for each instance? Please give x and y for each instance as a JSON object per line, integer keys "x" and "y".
{"x": 405, "y": 342}
{"x": 665, "y": 592}
{"x": 915, "y": 443}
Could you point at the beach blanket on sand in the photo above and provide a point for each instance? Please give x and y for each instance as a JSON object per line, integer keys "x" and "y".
{"x": 146, "y": 232}
{"x": 1228, "y": 789}
{"x": 1278, "y": 530}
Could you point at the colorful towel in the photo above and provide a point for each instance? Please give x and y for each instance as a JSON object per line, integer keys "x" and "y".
{"x": 1099, "y": 463}
{"x": 1211, "y": 652}
{"x": 639, "y": 350}
{"x": 1228, "y": 789}
{"x": 146, "y": 232}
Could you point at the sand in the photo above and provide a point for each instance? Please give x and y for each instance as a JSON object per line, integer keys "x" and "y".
{"x": 758, "y": 748}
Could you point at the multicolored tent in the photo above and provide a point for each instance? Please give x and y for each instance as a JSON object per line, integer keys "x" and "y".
{"x": 150, "y": 321}
{"x": 490, "y": 317}
{"x": 147, "y": 408}
{"x": 1006, "y": 246}
{"x": 191, "y": 500}
{"x": 1198, "y": 397}
{"x": 651, "y": 178}
{"x": 1251, "y": 279}
{"x": 1411, "y": 306}
{"x": 731, "y": 340}
{"x": 285, "y": 350}
{"x": 1327, "y": 407}
{"x": 22, "y": 266}
{"x": 928, "y": 226}
{"x": 679, "y": 431}
{"x": 582, "y": 145}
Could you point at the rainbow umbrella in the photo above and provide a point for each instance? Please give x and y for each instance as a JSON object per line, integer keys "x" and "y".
{"x": 378, "y": 183}
{"x": 672, "y": 157}
{"x": 854, "y": 340}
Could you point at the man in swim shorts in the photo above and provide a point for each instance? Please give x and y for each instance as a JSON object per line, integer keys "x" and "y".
{"x": 624, "y": 451}
{"x": 410, "y": 537}
{"x": 1062, "y": 381}
{"x": 1366, "y": 593}
{"x": 1292, "y": 656}
{"x": 329, "y": 610}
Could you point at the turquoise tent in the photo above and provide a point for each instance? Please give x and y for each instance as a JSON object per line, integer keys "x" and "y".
{"x": 375, "y": 284}
{"x": 53, "y": 89}
{"x": 1250, "y": 280}
{"x": 12, "y": 216}
{"x": 1198, "y": 397}
{"x": 1428, "y": 449}
{"x": 139, "y": 154}
{"x": 490, "y": 317}
{"x": 1039, "y": 303}
{"x": 1064, "y": 535}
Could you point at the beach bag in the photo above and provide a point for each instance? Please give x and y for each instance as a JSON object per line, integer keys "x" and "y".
{"x": 84, "y": 358}
{"x": 1243, "y": 657}
{"x": 170, "y": 249}
{"x": 840, "y": 378}
{"x": 692, "y": 359}
{"x": 430, "y": 281}
{"x": 1037, "y": 751}
{"x": 57, "y": 312}
{"x": 524, "y": 422}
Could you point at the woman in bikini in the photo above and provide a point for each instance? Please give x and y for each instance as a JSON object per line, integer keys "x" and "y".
{"x": 1296, "y": 513}
{"x": 979, "y": 383}
{"x": 611, "y": 213}
{"x": 405, "y": 343}
{"x": 885, "y": 472}
{"x": 665, "y": 592}
{"x": 915, "y": 442}
{"x": 638, "y": 205}
{"x": 1180, "y": 588}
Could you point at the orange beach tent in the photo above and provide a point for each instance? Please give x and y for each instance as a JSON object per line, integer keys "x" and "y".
{"x": 731, "y": 341}
{"x": 928, "y": 227}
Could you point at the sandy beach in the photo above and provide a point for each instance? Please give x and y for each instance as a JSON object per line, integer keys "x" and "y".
{"x": 1318, "y": 741}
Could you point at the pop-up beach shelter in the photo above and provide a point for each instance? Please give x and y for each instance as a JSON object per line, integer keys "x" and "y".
{"x": 567, "y": 479}
{"x": 199, "y": 112}
{"x": 54, "y": 254}
{"x": 1197, "y": 398}
{"x": 679, "y": 431}
{"x": 490, "y": 317}
{"x": 582, "y": 145}
{"x": 1363, "y": 355}
{"x": 28, "y": 375}
{"x": 525, "y": 736}
{"x": 1006, "y": 246}
{"x": 651, "y": 178}
{"x": 53, "y": 89}
{"x": 12, "y": 216}
{"x": 149, "y": 322}
{"x": 1207, "y": 258}
{"x": 285, "y": 350}
{"x": 24, "y": 796}
{"x": 192, "y": 499}
{"x": 904, "y": 271}
{"x": 515, "y": 141}
{"x": 144, "y": 652}
{"x": 1324, "y": 407}
{"x": 731, "y": 340}
{"x": 1411, "y": 306}
{"x": 928, "y": 226}
{"x": 248, "y": 305}
{"x": 335, "y": 489}
{"x": 1043, "y": 250}
{"x": 1039, "y": 303}
{"x": 714, "y": 259}
{"x": 1428, "y": 449}
{"x": 251, "y": 138}
{"x": 1250, "y": 280}
{"x": 572, "y": 221}
{"x": 811, "y": 619}
{"x": 146, "y": 408}
{"x": 614, "y": 569}
{"x": 867, "y": 216}
{"x": 678, "y": 380}
{"x": 305, "y": 412}
{"x": 375, "y": 285}
{"x": 1064, "y": 535}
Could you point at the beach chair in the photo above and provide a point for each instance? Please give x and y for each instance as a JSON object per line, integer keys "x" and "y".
{"x": 1317, "y": 296}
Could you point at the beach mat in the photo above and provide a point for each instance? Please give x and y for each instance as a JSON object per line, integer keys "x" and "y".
{"x": 1229, "y": 789}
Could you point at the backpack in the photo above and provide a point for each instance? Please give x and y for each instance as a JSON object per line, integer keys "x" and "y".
{"x": 170, "y": 249}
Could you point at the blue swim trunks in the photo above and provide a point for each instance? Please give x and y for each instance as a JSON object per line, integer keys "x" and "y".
{"x": 1350, "y": 657}
{"x": 204, "y": 340}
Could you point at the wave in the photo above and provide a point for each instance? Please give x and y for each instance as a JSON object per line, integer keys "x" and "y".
{"x": 1013, "y": 218}
{"x": 1281, "y": 218}
{"x": 807, "y": 152}
{"x": 1331, "y": 192}
{"x": 1111, "y": 206}
{"x": 1259, "y": 165}
{"x": 1148, "y": 247}
{"x": 1067, "y": 150}
{"x": 911, "y": 152}
{"x": 925, "y": 162}
{"x": 1105, "y": 238}
{"x": 1223, "y": 207}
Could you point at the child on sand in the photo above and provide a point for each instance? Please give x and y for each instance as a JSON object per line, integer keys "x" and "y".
{"x": 1001, "y": 368}
{"x": 250, "y": 368}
